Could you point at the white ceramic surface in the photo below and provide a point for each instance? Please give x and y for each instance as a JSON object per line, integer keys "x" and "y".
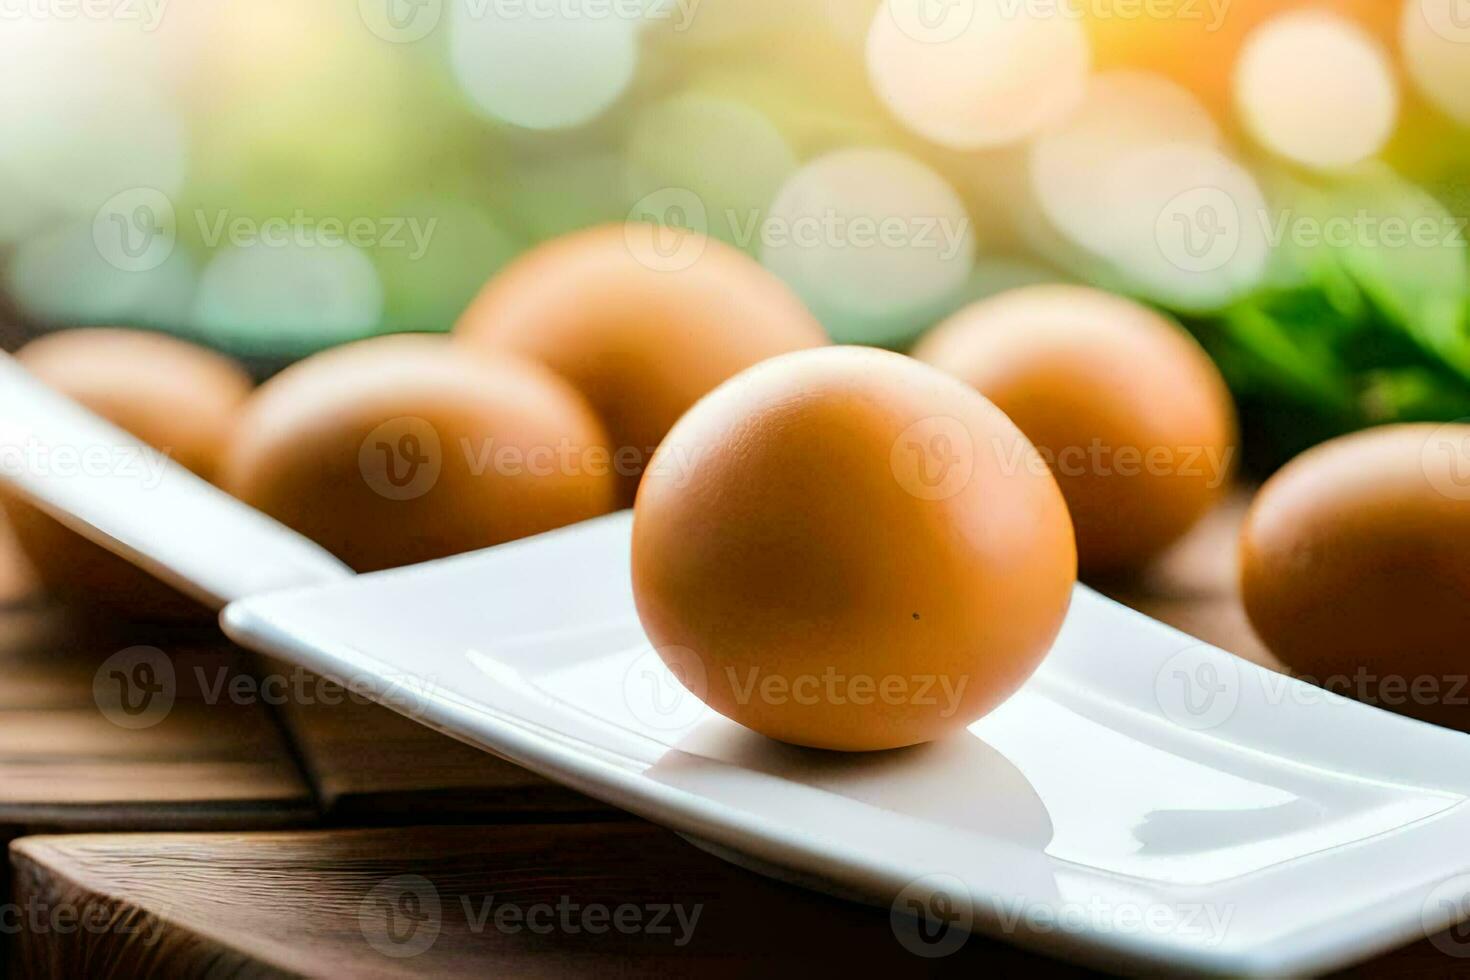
{"x": 1145, "y": 801}
{"x": 131, "y": 499}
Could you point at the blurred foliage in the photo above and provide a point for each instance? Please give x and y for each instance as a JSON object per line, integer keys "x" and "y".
{"x": 291, "y": 107}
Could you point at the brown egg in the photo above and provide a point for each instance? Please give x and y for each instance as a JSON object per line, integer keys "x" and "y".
{"x": 1355, "y": 568}
{"x": 846, "y": 549}
{"x": 176, "y": 397}
{"x": 403, "y": 449}
{"x": 1132, "y": 415}
{"x": 643, "y": 321}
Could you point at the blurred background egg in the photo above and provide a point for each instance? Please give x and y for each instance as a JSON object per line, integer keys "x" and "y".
{"x": 1130, "y": 413}
{"x": 848, "y": 520}
{"x": 176, "y": 398}
{"x": 404, "y": 449}
{"x": 643, "y": 320}
{"x": 1288, "y": 178}
{"x": 1354, "y": 571}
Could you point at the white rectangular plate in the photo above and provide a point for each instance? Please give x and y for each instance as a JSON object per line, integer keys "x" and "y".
{"x": 1145, "y": 801}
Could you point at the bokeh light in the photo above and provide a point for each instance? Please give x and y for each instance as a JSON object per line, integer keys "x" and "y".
{"x": 983, "y": 73}
{"x": 75, "y": 139}
{"x": 60, "y": 275}
{"x": 540, "y": 64}
{"x": 1172, "y": 150}
{"x": 1193, "y": 226}
{"x": 1122, "y": 112}
{"x": 725, "y": 152}
{"x": 872, "y": 239}
{"x": 287, "y": 297}
{"x": 1316, "y": 89}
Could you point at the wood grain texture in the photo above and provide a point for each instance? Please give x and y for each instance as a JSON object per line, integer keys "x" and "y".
{"x": 485, "y": 901}
{"x": 209, "y": 760}
{"x": 497, "y": 900}
{"x": 318, "y": 902}
{"x": 370, "y": 765}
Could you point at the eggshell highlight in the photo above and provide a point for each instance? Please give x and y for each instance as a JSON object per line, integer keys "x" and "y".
{"x": 404, "y": 449}
{"x": 1355, "y": 568}
{"x": 1130, "y": 412}
{"x": 643, "y": 321}
{"x": 846, "y": 549}
{"x": 179, "y": 399}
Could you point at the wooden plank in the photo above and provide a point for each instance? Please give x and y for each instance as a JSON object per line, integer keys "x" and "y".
{"x": 193, "y": 758}
{"x": 71, "y": 758}
{"x": 463, "y": 901}
{"x": 501, "y": 900}
{"x": 369, "y": 765}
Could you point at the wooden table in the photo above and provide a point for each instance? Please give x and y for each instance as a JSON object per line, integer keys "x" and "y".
{"x": 370, "y": 765}
{"x": 17, "y": 586}
{"x": 265, "y": 873}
